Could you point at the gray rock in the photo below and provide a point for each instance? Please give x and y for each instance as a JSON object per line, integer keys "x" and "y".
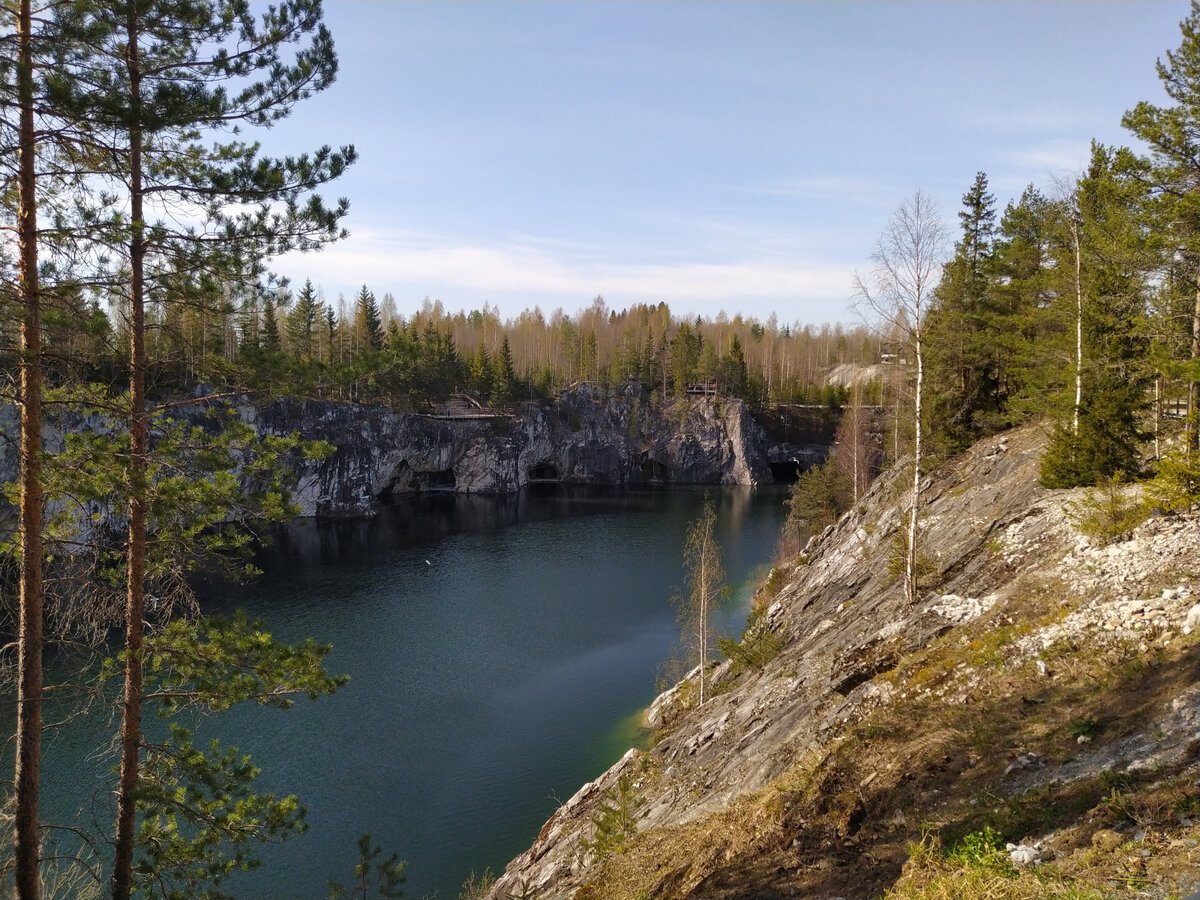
{"x": 621, "y": 441}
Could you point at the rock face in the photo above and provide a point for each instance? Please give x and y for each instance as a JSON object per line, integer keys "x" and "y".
{"x": 620, "y": 441}
{"x": 988, "y": 532}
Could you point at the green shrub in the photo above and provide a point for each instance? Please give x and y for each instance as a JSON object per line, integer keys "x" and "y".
{"x": 753, "y": 651}
{"x": 614, "y": 822}
{"x": 1176, "y": 483}
{"x": 1106, "y": 513}
{"x": 776, "y": 579}
{"x": 983, "y": 850}
{"x": 757, "y": 647}
{"x": 898, "y": 559}
{"x": 818, "y": 498}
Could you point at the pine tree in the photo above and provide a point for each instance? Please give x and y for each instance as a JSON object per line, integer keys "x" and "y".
{"x": 27, "y": 843}
{"x": 1173, "y": 135}
{"x": 153, "y": 84}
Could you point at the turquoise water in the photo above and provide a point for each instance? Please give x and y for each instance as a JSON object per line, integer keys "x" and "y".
{"x": 499, "y": 651}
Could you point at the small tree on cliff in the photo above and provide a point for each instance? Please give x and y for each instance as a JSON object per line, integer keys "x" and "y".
{"x": 705, "y": 585}
{"x": 908, "y": 260}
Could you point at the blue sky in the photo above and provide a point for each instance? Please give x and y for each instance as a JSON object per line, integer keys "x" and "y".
{"x": 732, "y": 156}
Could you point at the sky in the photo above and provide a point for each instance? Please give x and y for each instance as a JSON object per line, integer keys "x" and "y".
{"x": 737, "y": 157}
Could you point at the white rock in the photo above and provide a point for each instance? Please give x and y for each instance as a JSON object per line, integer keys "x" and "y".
{"x": 961, "y": 609}
{"x": 1023, "y": 854}
{"x": 1025, "y": 761}
{"x": 1192, "y": 619}
{"x": 822, "y": 626}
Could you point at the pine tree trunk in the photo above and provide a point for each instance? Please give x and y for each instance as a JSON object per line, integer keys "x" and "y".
{"x": 26, "y": 843}
{"x": 131, "y": 717}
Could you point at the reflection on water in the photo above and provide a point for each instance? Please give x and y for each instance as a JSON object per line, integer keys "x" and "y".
{"x": 499, "y": 652}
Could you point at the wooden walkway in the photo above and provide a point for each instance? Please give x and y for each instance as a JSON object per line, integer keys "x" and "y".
{"x": 460, "y": 406}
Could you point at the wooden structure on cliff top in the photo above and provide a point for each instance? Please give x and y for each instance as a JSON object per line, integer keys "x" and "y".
{"x": 462, "y": 406}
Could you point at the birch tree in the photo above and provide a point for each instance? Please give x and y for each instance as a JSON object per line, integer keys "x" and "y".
{"x": 896, "y": 294}
{"x": 705, "y": 581}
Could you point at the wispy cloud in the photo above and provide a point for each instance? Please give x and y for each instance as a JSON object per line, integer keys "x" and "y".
{"x": 544, "y": 273}
{"x": 1041, "y": 162}
{"x": 843, "y": 188}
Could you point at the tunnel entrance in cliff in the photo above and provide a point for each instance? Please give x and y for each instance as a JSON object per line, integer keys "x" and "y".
{"x": 788, "y": 471}
{"x": 401, "y": 482}
{"x": 654, "y": 471}
{"x": 438, "y": 482}
{"x": 544, "y": 473}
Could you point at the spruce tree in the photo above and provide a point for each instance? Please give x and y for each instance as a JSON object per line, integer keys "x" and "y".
{"x": 504, "y": 377}
{"x": 479, "y": 373}
{"x": 1030, "y": 287}
{"x": 302, "y": 321}
{"x": 367, "y": 324}
{"x": 269, "y": 336}
{"x": 734, "y": 365}
{"x": 966, "y": 346}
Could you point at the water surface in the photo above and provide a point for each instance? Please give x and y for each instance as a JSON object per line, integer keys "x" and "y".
{"x": 499, "y": 651}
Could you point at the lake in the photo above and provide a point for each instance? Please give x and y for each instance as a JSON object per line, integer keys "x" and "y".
{"x": 500, "y": 651}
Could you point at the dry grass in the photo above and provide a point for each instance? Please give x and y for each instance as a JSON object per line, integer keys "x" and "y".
{"x": 931, "y": 874}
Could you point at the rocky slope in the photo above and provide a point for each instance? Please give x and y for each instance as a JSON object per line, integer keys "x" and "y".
{"x": 584, "y": 440}
{"x": 1043, "y": 686}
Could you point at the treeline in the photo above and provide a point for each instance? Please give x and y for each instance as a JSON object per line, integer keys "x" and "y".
{"x": 366, "y": 350}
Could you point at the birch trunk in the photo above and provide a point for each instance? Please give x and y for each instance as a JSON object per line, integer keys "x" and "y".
{"x": 911, "y": 559}
{"x": 1193, "y": 443}
{"x": 1078, "y": 328}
